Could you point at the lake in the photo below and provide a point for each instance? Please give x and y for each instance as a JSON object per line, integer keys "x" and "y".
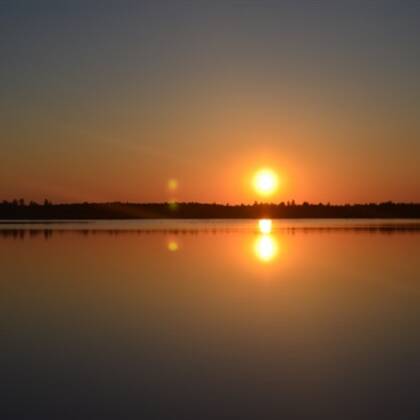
{"x": 210, "y": 319}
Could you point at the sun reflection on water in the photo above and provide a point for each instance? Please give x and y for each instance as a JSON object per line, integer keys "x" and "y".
{"x": 265, "y": 246}
{"x": 265, "y": 226}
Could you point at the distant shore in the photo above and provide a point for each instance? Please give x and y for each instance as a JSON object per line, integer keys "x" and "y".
{"x": 19, "y": 210}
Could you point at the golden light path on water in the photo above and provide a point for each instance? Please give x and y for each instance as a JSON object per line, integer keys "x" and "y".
{"x": 265, "y": 226}
{"x": 265, "y": 246}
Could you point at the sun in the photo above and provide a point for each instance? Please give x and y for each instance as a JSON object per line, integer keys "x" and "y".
{"x": 265, "y": 182}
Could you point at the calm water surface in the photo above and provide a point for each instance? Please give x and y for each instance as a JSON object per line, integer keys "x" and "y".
{"x": 210, "y": 319}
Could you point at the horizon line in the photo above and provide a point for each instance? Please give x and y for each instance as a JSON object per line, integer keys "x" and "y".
{"x": 23, "y": 202}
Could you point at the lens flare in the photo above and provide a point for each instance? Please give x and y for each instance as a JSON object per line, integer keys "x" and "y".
{"x": 173, "y": 205}
{"x": 172, "y": 184}
{"x": 173, "y": 246}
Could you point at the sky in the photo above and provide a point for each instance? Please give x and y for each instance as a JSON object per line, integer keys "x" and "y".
{"x": 109, "y": 101}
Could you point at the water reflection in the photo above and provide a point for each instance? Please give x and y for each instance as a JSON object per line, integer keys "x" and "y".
{"x": 172, "y": 228}
{"x": 266, "y": 245}
{"x": 265, "y": 225}
{"x": 266, "y": 248}
{"x": 305, "y": 314}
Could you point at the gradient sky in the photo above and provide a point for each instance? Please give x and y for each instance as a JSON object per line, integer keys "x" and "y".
{"x": 104, "y": 101}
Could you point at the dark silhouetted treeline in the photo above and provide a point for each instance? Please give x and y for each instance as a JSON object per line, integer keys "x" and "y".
{"x": 19, "y": 210}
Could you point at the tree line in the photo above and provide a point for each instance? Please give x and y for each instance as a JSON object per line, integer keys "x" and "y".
{"x": 18, "y": 209}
